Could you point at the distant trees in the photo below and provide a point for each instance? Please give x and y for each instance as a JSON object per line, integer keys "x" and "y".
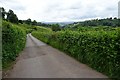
{"x": 56, "y": 27}
{"x": 114, "y": 22}
{"x": 21, "y": 21}
{"x": 28, "y": 21}
{"x": 34, "y": 22}
{"x": 2, "y": 10}
{"x": 44, "y": 24}
{"x": 12, "y": 17}
{"x": 118, "y": 22}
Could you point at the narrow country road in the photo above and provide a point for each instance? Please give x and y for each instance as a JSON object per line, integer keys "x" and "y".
{"x": 39, "y": 60}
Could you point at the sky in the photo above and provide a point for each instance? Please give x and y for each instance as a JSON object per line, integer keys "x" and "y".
{"x": 62, "y": 10}
{"x": 119, "y": 9}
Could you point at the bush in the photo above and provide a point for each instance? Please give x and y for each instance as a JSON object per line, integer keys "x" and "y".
{"x": 13, "y": 41}
{"x": 98, "y": 49}
{"x": 56, "y": 27}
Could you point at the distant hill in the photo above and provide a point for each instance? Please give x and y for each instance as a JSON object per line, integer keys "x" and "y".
{"x": 60, "y": 23}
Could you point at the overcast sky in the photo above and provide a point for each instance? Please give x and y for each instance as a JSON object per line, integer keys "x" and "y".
{"x": 62, "y": 10}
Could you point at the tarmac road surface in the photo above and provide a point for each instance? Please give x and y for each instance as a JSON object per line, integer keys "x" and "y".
{"x": 39, "y": 60}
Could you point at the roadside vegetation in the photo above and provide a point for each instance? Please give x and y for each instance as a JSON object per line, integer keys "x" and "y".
{"x": 13, "y": 37}
{"x": 97, "y": 47}
{"x": 13, "y": 41}
{"x": 94, "y": 42}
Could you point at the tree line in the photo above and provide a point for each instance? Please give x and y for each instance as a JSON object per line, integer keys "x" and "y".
{"x": 12, "y": 17}
{"x": 113, "y": 22}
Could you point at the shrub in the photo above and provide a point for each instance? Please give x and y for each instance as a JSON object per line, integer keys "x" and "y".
{"x": 56, "y": 27}
{"x": 13, "y": 41}
{"x": 98, "y": 49}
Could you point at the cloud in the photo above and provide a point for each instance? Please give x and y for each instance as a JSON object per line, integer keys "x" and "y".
{"x": 12, "y": 4}
{"x": 62, "y": 10}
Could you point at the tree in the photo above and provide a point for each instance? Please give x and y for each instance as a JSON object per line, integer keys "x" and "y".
{"x": 28, "y": 21}
{"x": 3, "y": 12}
{"x": 12, "y": 17}
{"x": 20, "y": 21}
{"x": 34, "y": 22}
{"x": 115, "y": 17}
{"x": 56, "y": 27}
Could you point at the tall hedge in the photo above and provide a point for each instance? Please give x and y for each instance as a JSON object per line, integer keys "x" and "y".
{"x": 13, "y": 41}
{"x": 98, "y": 49}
